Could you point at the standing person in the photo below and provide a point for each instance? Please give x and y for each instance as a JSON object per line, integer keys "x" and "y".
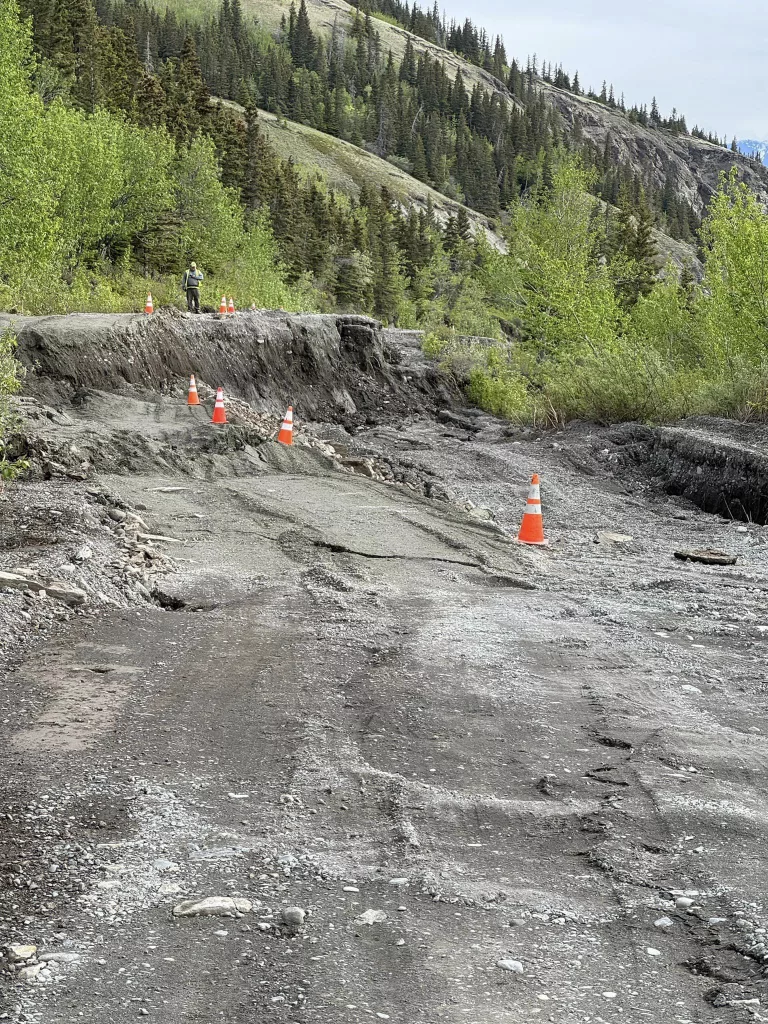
{"x": 190, "y": 283}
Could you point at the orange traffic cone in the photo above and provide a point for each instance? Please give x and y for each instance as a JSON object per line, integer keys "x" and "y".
{"x": 532, "y": 527}
{"x": 286, "y": 431}
{"x": 231, "y": 307}
{"x": 149, "y": 307}
{"x": 193, "y": 398}
{"x": 223, "y": 304}
{"x": 219, "y": 415}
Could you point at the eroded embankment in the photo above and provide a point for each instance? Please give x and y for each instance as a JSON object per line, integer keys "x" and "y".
{"x": 720, "y": 465}
{"x": 332, "y": 367}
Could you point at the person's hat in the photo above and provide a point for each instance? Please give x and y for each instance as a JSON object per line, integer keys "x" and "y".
{"x": 193, "y": 265}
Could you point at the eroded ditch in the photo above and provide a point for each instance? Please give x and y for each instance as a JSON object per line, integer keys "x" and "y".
{"x": 719, "y": 472}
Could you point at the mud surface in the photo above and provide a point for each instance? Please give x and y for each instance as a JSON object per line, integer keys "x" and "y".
{"x": 344, "y": 696}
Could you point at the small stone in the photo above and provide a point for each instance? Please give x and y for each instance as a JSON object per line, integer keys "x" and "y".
{"x": 653, "y": 952}
{"x": 706, "y": 557}
{"x": 18, "y": 953}
{"x": 264, "y": 926}
{"x": 688, "y": 688}
{"x": 213, "y": 906}
{"x": 58, "y": 958}
{"x": 664, "y": 922}
{"x": 399, "y": 881}
{"x": 371, "y": 917}
{"x": 351, "y": 888}
{"x": 712, "y": 921}
{"x": 606, "y": 537}
{"x": 117, "y": 515}
{"x": 73, "y": 596}
{"x": 294, "y": 916}
{"x": 85, "y": 554}
{"x": 161, "y": 864}
{"x": 510, "y": 965}
{"x": 29, "y": 974}
{"x": 683, "y": 902}
{"x": 16, "y": 581}
{"x": 401, "y": 942}
{"x": 482, "y": 514}
{"x": 608, "y": 995}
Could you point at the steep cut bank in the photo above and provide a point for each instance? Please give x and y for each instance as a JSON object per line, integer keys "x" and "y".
{"x": 350, "y": 372}
{"x": 719, "y": 465}
{"x": 337, "y": 368}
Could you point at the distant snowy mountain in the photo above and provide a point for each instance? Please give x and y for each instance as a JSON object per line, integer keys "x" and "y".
{"x": 750, "y": 147}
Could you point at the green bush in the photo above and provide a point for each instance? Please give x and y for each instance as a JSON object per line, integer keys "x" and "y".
{"x": 10, "y": 381}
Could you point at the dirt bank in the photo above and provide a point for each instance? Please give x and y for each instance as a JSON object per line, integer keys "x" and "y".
{"x": 329, "y": 367}
{"x": 719, "y": 465}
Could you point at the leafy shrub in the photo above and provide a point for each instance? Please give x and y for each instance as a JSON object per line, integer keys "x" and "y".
{"x": 10, "y": 381}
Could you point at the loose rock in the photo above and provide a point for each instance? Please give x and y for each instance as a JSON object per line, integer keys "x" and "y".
{"x": 213, "y": 906}
{"x": 58, "y": 958}
{"x": 371, "y": 917}
{"x": 73, "y": 596}
{"x": 294, "y": 917}
{"x": 29, "y": 974}
{"x": 510, "y": 965}
{"x": 18, "y": 953}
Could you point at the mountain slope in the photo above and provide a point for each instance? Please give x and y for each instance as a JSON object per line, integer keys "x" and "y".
{"x": 695, "y": 164}
{"x": 346, "y": 167}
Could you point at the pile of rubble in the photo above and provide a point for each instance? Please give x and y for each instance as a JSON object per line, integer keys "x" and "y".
{"x": 25, "y": 963}
{"x": 100, "y": 551}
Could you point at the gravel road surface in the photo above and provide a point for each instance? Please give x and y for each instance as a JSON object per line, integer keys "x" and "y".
{"x": 501, "y": 784}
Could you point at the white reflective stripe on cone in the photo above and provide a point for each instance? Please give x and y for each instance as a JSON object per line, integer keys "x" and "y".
{"x": 533, "y": 510}
{"x": 535, "y": 492}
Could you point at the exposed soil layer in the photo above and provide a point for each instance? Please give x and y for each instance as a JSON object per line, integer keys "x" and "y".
{"x": 331, "y": 367}
{"x": 719, "y": 465}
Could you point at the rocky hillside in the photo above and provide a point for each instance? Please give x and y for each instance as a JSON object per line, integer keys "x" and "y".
{"x": 695, "y": 164}
{"x": 654, "y": 153}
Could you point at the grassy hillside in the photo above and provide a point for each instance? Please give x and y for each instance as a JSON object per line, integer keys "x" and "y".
{"x": 323, "y": 14}
{"x": 346, "y": 167}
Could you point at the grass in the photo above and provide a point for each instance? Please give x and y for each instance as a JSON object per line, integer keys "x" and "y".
{"x": 346, "y": 167}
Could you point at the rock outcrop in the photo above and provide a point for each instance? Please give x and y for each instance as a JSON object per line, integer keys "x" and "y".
{"x": 695, "y": 165}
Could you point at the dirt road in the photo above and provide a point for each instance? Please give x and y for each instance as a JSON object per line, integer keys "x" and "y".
{"x": 504, "y": 784}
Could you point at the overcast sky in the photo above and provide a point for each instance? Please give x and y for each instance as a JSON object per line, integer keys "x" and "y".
{"x": 705, "y": 57}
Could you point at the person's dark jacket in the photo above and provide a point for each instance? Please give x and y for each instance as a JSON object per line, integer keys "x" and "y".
{"x": 191, "y": 279}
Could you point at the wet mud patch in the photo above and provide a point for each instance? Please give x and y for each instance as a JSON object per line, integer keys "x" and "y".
{"x": 85, "y": 701}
